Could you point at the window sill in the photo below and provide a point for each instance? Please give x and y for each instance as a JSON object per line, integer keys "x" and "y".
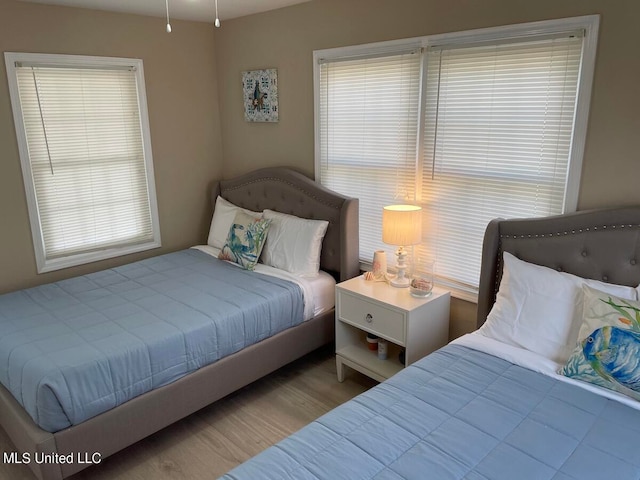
{"x": 459, "y": 293}
{"x": 83, "y": 258}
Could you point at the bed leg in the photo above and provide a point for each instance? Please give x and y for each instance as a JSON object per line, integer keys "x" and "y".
{"x": 340, "y": 369}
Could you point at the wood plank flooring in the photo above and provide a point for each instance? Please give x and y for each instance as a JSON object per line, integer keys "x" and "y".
{"x": 215, "y": 439}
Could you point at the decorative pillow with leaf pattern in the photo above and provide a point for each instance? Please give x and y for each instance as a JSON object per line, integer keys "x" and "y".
{"x": 245, "y": 240}
{"x": 608, "y": 349}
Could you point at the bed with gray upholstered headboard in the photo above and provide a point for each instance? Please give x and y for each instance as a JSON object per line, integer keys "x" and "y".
{"x": 287, "y": 191}
{"x": 598, "y": 244}
{"x": 277, "y": 189}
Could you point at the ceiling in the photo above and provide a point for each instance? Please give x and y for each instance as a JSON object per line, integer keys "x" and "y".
{"x": 198, "y": 10}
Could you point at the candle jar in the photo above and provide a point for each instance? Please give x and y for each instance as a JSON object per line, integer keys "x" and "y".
{"x": 372, "y": 342}
{"x": 379, "y": 263}
{"x": 422, "y": 278}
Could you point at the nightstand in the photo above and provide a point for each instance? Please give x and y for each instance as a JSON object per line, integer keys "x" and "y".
{"x": 419, "y": 325}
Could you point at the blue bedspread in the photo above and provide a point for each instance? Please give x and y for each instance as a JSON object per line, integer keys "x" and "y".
{"x": 461, "y": 414}
{"x": 76, "y": 348}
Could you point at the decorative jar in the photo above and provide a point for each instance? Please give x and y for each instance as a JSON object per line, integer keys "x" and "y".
{"x": 422, "y": 278}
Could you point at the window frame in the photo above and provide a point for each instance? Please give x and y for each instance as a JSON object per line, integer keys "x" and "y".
{"x": 55, "y": 60}
{"x": 588, "y": 23}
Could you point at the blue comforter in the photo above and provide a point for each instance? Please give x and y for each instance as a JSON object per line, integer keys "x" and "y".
{"x": 76, "y": 348}
{"x": 461, "y": 414}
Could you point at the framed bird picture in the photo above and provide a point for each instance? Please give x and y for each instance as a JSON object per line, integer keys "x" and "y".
{"x": 260, "y": 95}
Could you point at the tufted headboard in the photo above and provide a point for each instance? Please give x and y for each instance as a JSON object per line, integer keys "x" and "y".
{"x": 287, "y": 191}
{"x": 599, "y": 244}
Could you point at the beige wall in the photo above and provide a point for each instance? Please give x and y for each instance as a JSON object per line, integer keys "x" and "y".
{"x": 188, "y": 136}
{"x": 183, "y": 115}
{"x": 285, "y": 39}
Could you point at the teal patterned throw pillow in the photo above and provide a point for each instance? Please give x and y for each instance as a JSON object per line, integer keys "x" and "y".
{"x": 608, "y": 349}
{"x": 245, "y": 240}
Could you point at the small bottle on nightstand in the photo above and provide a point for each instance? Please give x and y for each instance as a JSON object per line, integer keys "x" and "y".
{"x": 383, "y": 346}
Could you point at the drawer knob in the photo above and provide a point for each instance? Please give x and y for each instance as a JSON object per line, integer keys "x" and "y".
{"x": 369, "y": 318}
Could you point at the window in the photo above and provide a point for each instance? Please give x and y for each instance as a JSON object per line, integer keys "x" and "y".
{"x": 369, "y": 129}
{"x": 471, "y": 126}
{"x": 85, "y": 150}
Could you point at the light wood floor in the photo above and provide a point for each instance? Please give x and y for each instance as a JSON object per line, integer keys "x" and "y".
{"x": 215, "y": 439}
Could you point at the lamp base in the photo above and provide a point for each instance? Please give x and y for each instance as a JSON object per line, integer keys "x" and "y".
{"x": 403, "y": 282}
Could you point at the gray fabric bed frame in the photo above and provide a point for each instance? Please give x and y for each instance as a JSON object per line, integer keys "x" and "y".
{"x": 599, "y": 244}
{"x": 278, "y": 189}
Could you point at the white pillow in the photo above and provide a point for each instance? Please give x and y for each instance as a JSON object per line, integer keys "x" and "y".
{"x": 540, "y": 309}
{"x": 293, "y": 243}
{"x": 223, "y": 216}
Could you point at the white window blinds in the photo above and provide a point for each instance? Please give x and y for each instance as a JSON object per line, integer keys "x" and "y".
{"x": 86, "y": 155}
{"x": 472, "y": 126}
{"x": 498, "y": 125}
{"x": 367, "y": 134}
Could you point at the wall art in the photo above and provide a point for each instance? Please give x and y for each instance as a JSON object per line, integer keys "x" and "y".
{"x": 260, "y": 92}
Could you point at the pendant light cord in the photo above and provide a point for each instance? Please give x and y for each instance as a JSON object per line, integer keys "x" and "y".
{"x": 166, "y": 3}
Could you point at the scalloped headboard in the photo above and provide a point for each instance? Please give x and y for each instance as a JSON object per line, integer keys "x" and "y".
{"x": 599, "y": 244}
{"x": 287, "y": 191}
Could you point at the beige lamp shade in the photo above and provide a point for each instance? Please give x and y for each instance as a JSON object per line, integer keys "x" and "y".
{"x": 402, "y": 225}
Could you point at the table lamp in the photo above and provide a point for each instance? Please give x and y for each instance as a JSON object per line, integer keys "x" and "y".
{"x": 401, "y": 226}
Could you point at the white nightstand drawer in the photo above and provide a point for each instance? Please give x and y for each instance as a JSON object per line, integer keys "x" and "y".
{"x": 382, "y": 321}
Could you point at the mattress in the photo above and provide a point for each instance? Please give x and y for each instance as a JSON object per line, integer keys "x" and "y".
{"x": 319, "y": 290}
{"x": 76, "y": 348}
{"x": 323, "y": 290}
{"x": 463, "y": 413}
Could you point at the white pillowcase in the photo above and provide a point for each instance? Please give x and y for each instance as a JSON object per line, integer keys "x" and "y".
{"x": 293, "y": 243}
{"x": 223, "y": 216}
{"x": 540, "y": 309}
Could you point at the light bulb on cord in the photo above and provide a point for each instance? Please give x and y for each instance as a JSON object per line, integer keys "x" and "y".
{"x": 217, "y": 22}
{"x": 166, "y": 2}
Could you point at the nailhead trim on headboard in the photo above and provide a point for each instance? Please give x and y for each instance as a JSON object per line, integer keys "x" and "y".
{"x": 582, "y": 230}
{"x": 297, "y": 187}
